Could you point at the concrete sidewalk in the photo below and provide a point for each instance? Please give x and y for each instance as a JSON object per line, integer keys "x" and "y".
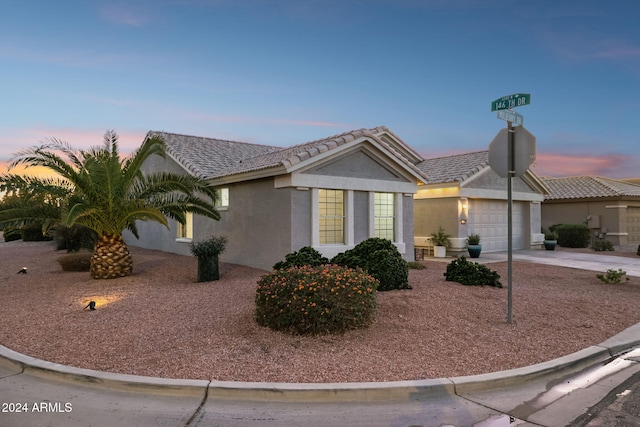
{"x": 554, "y": 393}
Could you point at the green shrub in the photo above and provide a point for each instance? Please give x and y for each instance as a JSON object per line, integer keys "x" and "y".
{"x": 11, "y": 234}
{"x": 600, "y": 245}
{"x": 33, "y": 233}
{"x": 73, "y": 238}
{"x": 77, "y": 261}
{"x": 211, "y": 246}
{"x": 612, "y": 276}
{"x": 471, "y": 273}
{"x": 208, "y": 251}
{"x": 573, "y": 235}
{"x": 381, "y": 259}
{"x": 305, "y": 256}
{"x": 316, "y": 300}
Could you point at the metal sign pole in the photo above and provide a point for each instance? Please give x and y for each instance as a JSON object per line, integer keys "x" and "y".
{"x": 526, "y": 148}
{"x": 510, "y": 174}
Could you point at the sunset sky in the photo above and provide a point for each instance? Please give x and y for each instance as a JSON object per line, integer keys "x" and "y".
{"x": 282, "y": 72}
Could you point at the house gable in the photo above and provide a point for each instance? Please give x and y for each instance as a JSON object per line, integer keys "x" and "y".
{"x": 358, "y": 164}
{"x": 361, "y": 166}
{"x": 488, "y": 184}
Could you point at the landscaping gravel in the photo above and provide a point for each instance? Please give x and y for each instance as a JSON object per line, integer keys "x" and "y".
{"x": 161, "y": 322}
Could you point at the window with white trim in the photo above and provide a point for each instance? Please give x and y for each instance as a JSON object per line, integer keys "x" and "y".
{"x": 331, "y": 216}
{"x": 185, "y": 231}
{"x": 384, "y": 215}
{"x": 222, "y": 197}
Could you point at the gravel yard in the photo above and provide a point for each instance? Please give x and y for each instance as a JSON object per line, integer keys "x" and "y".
{"x": 161, "y": 322}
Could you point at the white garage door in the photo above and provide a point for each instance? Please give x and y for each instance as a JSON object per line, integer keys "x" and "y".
{"x": 488, "y": 218}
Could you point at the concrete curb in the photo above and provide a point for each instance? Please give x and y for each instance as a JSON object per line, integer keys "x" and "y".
{"x": 323, "y": 392}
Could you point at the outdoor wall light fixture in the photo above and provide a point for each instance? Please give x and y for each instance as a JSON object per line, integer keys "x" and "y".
{"x": 463, "y": 210}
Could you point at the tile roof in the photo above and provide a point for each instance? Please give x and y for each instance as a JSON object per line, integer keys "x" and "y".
{"x": 206, "y": 157}
{"x": 580, "y": 187}
{"x": 213, "y": 158}
{"x": 458, "y": 167}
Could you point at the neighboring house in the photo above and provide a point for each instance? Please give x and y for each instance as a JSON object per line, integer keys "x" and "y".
{"x": 611, "y": 208}
{"x": 465, "y": 196}
{"x": 329, "y": 194}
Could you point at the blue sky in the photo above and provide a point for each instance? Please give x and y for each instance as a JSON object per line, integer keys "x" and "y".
{"x": 284, "y": 72}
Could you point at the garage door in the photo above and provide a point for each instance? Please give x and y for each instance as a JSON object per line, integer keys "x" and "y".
{"x": 488, "y": 218}
{"x": 633, "y": 225}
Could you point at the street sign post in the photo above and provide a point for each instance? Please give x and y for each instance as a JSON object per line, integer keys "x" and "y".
{"x": 511, "y": 116}
{"x": 511, "y": 101}
{"x": 508, "y": 138}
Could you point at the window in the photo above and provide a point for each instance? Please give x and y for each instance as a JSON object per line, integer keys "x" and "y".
{"x": 331, "y": 216}
{"x": 384, "y": 216}
{"x": 222, "y": 197}
{"x": 185, "y": 231}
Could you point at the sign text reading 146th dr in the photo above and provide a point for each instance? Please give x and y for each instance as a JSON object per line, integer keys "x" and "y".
{"x": 511, "y": 101}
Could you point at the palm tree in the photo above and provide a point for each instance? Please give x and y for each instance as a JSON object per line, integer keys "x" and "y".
{"x": 108, "y": 194}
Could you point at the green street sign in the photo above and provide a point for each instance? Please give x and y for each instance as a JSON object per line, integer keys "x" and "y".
{"x": 511, "y": 101}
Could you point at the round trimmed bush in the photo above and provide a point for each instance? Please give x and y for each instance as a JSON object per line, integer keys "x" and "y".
{"x": 316, "y": 300}
{"x": 381, "y": 259}
{"x": 305, "y": 256}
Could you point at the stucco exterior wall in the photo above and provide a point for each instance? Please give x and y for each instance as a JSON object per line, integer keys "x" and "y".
{"x": 607, "y": 218}
{"x": 300, "y": 222}
{"x": 430, "y": 214}
{"x": 361, "y": 216}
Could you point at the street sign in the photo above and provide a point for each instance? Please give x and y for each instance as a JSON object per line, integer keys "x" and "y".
{"x": 511, "y": 101}
{"x": 524, "y": 151}
{"x": 511, "y": 116}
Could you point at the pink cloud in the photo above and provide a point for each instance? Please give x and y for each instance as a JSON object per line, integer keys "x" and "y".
{"x": 616, "y": 166}
{"x": 21, "y": 139}
{"x": 607, "y": 165}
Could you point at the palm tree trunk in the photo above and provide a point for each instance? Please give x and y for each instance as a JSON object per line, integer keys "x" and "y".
{"x": 111, "y": 258}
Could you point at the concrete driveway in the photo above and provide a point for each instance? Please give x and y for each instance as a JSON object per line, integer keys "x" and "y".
{"x": 595, "y": 261}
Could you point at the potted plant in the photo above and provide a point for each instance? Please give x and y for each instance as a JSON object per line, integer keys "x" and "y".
{"x": 440, "y": 242}
{"x": 207, "y": 252}
{"x": 473, "y": 245}
{"x": 550, "y": 240}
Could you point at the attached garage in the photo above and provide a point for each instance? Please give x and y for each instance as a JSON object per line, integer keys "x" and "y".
{"x": 633, "y": 225}
{"x": 489, "y": 219}
{"x": 465, "y": 196}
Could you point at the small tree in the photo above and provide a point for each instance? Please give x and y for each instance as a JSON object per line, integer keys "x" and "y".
{"x": 208, "y": 251}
